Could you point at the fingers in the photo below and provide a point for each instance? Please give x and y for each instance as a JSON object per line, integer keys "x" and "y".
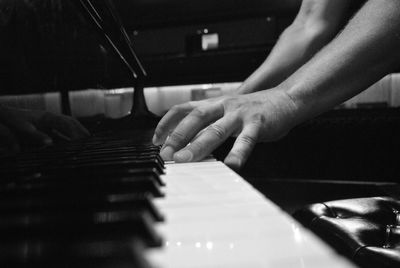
{"x": 72, "y": 128}
{"x": 81, "y": 131}
{"x": 29, "y": 134}
{"x": 38, "y": 128}
{"x": 19, "y": 123}
{"x": 62, "y": 127}
{"x": 170, "y": 121}
{"x": 210, "y": 139}
{"x": 187, "y": 129}
{"x": 243, "y": 146}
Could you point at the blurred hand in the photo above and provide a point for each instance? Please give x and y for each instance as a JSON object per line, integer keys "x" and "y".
{"x": 35, "y": 128}
{"x": 191, "y": 131}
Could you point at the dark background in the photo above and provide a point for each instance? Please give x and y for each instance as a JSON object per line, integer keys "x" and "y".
{"x": 51, "y": 45}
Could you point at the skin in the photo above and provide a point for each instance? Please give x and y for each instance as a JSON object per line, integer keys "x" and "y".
{"x": 19, "y": 127}
{"x": 365, "y": 51}
{"x": 315, "y": 25}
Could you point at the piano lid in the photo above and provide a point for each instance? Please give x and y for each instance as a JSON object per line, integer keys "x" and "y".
{"x": 48, "y": 45}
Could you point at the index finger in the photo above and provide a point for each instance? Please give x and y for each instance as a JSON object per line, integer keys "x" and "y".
{"x": 210, "y": 139}
{"x": 169, "y": 122}
{"x": 189, "y": 127}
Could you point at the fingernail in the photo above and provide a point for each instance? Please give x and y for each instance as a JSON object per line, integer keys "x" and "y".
{"x": 167, "y": 153}
{"x": 183, "y": 156}
{"x": 233, "y": 162}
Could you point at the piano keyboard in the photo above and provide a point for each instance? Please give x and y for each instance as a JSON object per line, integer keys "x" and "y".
{"x": 104, "y": 203}
{"x": 214, "y": 218}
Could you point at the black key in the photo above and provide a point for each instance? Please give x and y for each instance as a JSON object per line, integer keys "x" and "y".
{"x": 86, "y": 253}
{"x": 40, "y": 210}
{"x": 81, "y": 227}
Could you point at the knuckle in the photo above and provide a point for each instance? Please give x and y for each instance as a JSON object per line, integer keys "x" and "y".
{"x": 198, "y": 148}
{"x": 199, "y": 112}
{"x": 229, "y": 102}
{"x": 176, "y": 137}
{"x": 246, "y": 139}
{"x": 177, "y": 108}
{"x": 174, "y": 108}
{"x": 239, "y": 154}
{"x": 217, "y": 131}
{"x": 257, "y": 119}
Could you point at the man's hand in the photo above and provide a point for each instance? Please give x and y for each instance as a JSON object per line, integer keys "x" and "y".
{"x": 191, "y": 131}
{"x": 35, "y": 128}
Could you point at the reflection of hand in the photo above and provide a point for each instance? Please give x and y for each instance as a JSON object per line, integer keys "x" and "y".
{"x": 191, "y": 131}
{"x": 38, "y": 128}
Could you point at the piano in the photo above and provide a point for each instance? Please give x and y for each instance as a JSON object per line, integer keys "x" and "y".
{"x": 111, "y": 201}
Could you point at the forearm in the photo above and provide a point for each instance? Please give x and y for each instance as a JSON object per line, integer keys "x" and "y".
{"x": 316, "y": 24}
{"x": 286, "y": 57}
{"x": 366, "y": 50}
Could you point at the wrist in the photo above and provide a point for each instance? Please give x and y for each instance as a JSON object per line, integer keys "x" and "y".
{"x": 260, "y": 80}
{"x": 297, "y": 108}
{"x": 281, "y": 106}
{"x": 243, "y": 89}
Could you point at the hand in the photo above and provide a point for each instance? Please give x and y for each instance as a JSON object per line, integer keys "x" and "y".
{"x": 191, "y": 131}
{"x": 37, "y": 128}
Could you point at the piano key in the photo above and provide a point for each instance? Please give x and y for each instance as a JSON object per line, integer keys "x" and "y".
{"x": 57, "y": 192}
{"x": 136, "y": 202}
{"x": 33, "y": 217}
{"x": 85, "y": 206}
{"x": 91, "y": 174}
{"x": 81, "y": 185}
{"x": 90, "y": 253}
{"x": 79, "y": 227}
{"x": 111, "y": 164}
